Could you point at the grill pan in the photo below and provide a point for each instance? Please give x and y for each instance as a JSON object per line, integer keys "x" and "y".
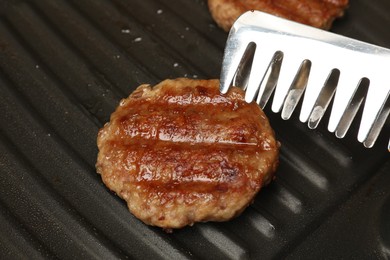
{"x": 64, "y": 66}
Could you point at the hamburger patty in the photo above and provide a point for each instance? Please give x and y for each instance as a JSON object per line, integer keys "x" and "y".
{"x": 317, "y": 13}
{"x": 180, "y": 152}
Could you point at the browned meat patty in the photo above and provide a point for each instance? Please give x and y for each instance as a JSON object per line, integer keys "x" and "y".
{"x": 180, "y": 152}
{"x": 317, "y": 13}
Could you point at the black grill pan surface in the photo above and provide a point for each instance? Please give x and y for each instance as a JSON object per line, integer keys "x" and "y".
{"x": 65, "y": 65}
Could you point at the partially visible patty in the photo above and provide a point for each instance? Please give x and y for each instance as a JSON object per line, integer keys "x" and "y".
{"x": 180, "y": 152}
{"x": 317, "y": 13}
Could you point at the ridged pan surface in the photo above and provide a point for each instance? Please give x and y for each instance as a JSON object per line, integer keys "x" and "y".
{"x": 65, "y": 65}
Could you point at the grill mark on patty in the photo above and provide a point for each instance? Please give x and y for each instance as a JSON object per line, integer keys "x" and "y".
{"x": 198, "y": 123}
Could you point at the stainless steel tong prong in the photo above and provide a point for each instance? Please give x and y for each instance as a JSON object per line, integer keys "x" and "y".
{"x": 265, "y": 54}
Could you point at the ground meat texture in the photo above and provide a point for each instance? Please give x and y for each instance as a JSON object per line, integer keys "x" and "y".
{"x": 180, "y": 152}
{"x": 317, "y": 13}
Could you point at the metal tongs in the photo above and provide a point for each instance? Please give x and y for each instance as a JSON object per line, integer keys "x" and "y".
{"x": 266, "y": 54}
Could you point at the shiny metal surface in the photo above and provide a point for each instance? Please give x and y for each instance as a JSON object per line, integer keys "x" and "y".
{"x": 266, "y": 54}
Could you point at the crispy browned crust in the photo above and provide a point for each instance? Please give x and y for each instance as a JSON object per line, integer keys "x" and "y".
{"x": 180, "y": 152}
{"x": 317, "y": 13}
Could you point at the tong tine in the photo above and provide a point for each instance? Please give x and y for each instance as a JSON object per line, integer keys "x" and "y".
{"x": 294, "y": 75}
{"x": 377, "y": 125}
{"x": 234, "y": 59}
{"x": 328, "y": 81}
{"x": 265, "y": 54}
{"x": 261, "y": 61}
